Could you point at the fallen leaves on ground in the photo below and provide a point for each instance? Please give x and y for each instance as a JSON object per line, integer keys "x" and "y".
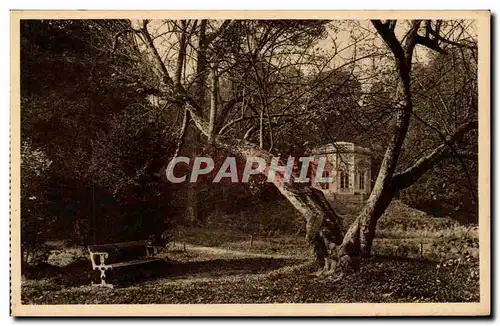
{"x": 376, "y": 280}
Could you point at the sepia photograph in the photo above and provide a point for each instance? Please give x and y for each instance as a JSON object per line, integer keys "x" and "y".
{"x": 286, "y": 163}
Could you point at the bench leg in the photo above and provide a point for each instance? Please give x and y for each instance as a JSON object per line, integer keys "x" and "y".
{"x": 102, "y": 277}
{"x": 152, "y": 251}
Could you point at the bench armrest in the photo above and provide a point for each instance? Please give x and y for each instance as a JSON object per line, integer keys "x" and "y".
{"x": 102, "y": 257}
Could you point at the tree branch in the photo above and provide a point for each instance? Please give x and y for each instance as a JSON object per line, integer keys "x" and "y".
{"x": 156, "y": 56}
{"x": 214, "y": 86}
{"x": 182, "y": 134}
{"x": 249, "y": 132}
{"x": 386, "y": 31}
{"x": 224, "y": 110}
{"x": 181, "y": 56}
{"x": 240, "y": 119}
{"x": 213, "y": 36}
{"x": 119, "y": 34}
{"x": 438, "y": 38}
{"x": 412, "y": 174}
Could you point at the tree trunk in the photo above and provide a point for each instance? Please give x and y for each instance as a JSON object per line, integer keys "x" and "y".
{"x": 193, "y": 134}
{"x": 383, "y": 192}
{"x": 192, "y": 201}
{"x": 323, "y": 225}
{"x": 359, "y": 237}
{"x": 361, "y": 233}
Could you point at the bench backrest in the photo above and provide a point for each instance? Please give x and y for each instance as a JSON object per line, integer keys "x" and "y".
{"x": 119, "y": 245}
{"x": 122, "y": 251}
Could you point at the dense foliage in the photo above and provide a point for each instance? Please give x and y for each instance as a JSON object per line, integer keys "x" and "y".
{"x": 84, "y": 110}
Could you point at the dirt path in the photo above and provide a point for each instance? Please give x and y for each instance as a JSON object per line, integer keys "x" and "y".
{"x": 201, "y": 264}
{"x": 222, "y": 275}
{"x": 225, "y": 253}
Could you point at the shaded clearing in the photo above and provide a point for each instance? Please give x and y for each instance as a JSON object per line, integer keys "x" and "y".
{"x": 239, "y": 281}
{"x": 233, "y": 260}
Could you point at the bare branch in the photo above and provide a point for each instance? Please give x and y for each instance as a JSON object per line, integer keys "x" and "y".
{"x": 240, "y": 119}
{"x": 431, "y": 44}
{"x": 119, "y": 34}
{"x": 156, "y": 56}
{"x": 249, "y": 132}
{"x": 386, "y": 31}
{"x": 181, "y": 56}
{"x": 439, "y": 38}
{"x": 213, "y": 36}
{"x": 412, "y": 174}
{"x": 182, "y": 134}
{"x": 213, "y": 104}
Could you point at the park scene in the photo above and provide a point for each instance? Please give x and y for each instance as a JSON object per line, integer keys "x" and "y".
{"x": 249, "y": 161}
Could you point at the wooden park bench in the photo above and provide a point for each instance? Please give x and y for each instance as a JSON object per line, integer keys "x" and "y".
{"x": 106, "y": 258}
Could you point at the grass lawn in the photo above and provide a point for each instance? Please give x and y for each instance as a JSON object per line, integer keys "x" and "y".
{"x": 215, "y": 264}
{"x": 267, "y": 280}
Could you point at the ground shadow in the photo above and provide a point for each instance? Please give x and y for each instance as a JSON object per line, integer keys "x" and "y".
{"x": 78, "y": 273}
{"x": 228, "y": 266}
{"x": 207, "y": 268}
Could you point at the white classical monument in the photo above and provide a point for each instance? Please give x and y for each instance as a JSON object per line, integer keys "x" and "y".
{"x": 349, "y": 166}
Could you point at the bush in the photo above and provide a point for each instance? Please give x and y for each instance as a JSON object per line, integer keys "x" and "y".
{"x": 34, "y": 218}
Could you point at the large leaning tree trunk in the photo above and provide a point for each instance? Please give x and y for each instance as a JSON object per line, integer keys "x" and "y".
{"x": 323, "y": 225}
{"x": 333, "y": 249}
